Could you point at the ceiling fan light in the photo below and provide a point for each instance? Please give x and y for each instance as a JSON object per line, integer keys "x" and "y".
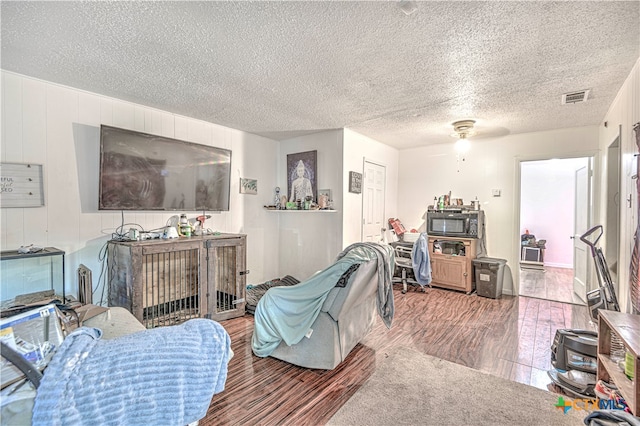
{"x": 463, "y": 128}
{"x": 462, "y": 145}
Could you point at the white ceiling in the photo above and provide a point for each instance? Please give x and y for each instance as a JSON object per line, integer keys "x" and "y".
{"x": 281, "y": 69}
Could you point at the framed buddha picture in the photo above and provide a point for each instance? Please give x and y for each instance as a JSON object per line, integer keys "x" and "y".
{"x": 301, "y": 176}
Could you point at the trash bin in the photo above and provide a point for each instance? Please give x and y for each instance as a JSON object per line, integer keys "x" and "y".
{"x": 489, "y": 273}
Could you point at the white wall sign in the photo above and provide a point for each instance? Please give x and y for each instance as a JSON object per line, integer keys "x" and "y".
{"x": 21, "y": 185}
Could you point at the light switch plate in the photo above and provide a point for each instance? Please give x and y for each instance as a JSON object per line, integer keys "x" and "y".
{"x": 495, "y": 192}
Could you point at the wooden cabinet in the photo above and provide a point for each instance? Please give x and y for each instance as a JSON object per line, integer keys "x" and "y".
{"x": 166, "y": 282}
{"x": 451, "y": 262}
{"x": 627, "y": 328}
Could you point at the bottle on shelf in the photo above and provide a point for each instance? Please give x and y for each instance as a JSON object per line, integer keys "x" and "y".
{"x": 277, "y": 199}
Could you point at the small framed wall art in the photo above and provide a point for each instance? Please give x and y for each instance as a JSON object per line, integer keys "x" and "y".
{"x": 355, "y": 182}
{"x": 248, "y": 186}
{"x": 21, "y": 185}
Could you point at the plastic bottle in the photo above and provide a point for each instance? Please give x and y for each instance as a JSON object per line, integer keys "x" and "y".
{"x": 629, "y": 366}
{"x": 185, "y": 226}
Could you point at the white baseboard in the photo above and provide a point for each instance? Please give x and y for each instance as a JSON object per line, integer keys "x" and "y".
{"x": 559, "y": 265}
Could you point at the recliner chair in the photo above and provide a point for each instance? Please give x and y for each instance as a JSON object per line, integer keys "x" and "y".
{"x": 346, "y": 316}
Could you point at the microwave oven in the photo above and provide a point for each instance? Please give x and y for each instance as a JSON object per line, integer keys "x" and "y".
{"x": 465, "y": 224}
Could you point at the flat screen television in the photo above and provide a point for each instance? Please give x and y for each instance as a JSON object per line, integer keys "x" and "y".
{"x": 140, "y": 171}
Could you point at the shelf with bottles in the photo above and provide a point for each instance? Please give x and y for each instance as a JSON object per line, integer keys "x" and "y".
{"x": 627, "y": 329}
{"x": 273, "y": 209}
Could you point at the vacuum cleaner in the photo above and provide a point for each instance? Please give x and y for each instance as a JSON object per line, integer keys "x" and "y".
{"x": 574, "y": 353}
{"x": 574, "y": 357}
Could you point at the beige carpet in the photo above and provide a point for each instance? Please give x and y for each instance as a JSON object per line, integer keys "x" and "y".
{"x": 410, "y": 388}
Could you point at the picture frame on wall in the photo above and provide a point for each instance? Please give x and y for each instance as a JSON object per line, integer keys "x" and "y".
{"x": 302, "y": 176}
{"x": 355, "y": 182}
{"x": 248, "y": 186}
{"x": 22, "y": 185}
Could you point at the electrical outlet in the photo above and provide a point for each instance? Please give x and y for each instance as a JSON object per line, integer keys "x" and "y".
{"x": 495, "y": 192}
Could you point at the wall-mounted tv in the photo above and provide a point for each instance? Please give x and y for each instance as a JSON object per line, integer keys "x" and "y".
{"x": 140, "y": 171}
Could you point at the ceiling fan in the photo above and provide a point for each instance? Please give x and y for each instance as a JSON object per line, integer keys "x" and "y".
{"x": 467, "y": 128}
{"x": 463, "y": 128}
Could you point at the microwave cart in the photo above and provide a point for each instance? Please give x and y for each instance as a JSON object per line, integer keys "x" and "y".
{"x": 451, "y": 262}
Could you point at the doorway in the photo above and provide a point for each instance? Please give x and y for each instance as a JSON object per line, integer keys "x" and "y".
{"x": 373, "y": 195}
{"x": 555, "y": 200}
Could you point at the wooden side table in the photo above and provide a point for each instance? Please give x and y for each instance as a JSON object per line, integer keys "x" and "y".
{"x": 627, "y": 328}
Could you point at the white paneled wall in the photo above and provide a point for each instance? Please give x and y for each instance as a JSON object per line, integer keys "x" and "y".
{"x": 623, "y": 114}
{"x": 58, "y": 127}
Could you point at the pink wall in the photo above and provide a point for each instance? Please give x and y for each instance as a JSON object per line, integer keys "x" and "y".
{"x": 547, "y": 205}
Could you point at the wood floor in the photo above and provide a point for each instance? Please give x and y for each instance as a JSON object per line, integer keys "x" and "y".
{"x": 551, "y": 283}
{"x": 509, "y": 337}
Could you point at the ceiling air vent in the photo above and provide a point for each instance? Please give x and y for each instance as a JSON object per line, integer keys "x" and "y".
{"x": 575, "y": 97}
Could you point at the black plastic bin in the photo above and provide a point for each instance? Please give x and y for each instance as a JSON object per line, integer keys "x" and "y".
{"x": 489, "y": 274}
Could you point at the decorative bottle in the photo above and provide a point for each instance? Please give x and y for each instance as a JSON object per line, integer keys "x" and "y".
{"x": 277, "y": 198}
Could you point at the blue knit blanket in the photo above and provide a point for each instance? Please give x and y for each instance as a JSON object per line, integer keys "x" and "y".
{"x": 165, "y": 375}
{"x": 287, "y": 313}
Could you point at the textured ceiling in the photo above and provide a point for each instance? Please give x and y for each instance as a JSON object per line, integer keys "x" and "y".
{"x": 281, "y": 69}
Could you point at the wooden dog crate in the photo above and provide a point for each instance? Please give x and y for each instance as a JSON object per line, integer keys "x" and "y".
{"x": 166, "y": 282}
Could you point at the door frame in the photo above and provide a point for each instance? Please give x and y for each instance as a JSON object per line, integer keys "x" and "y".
{"x": 595, "y": 202}
{"x": 613, "y": 208}
{"x": 365, "y": 160}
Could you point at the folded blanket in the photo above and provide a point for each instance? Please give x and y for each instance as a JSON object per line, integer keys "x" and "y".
{"x": 386, "y": 259}
{"x": 165, "y": 375}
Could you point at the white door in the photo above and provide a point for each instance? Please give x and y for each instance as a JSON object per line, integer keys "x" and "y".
{"x": 581, "y": 252}
{"x": 373, "y": 193}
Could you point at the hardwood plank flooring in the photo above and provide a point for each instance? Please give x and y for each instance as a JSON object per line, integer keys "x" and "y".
{"x": 508, "y": 337}
{"x": 551, "y": 283}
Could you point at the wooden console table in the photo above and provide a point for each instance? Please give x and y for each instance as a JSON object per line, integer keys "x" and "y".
{"x": 627, "y": 328}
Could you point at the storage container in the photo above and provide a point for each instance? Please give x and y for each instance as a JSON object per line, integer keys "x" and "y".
{"x": 489, "y": 274}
